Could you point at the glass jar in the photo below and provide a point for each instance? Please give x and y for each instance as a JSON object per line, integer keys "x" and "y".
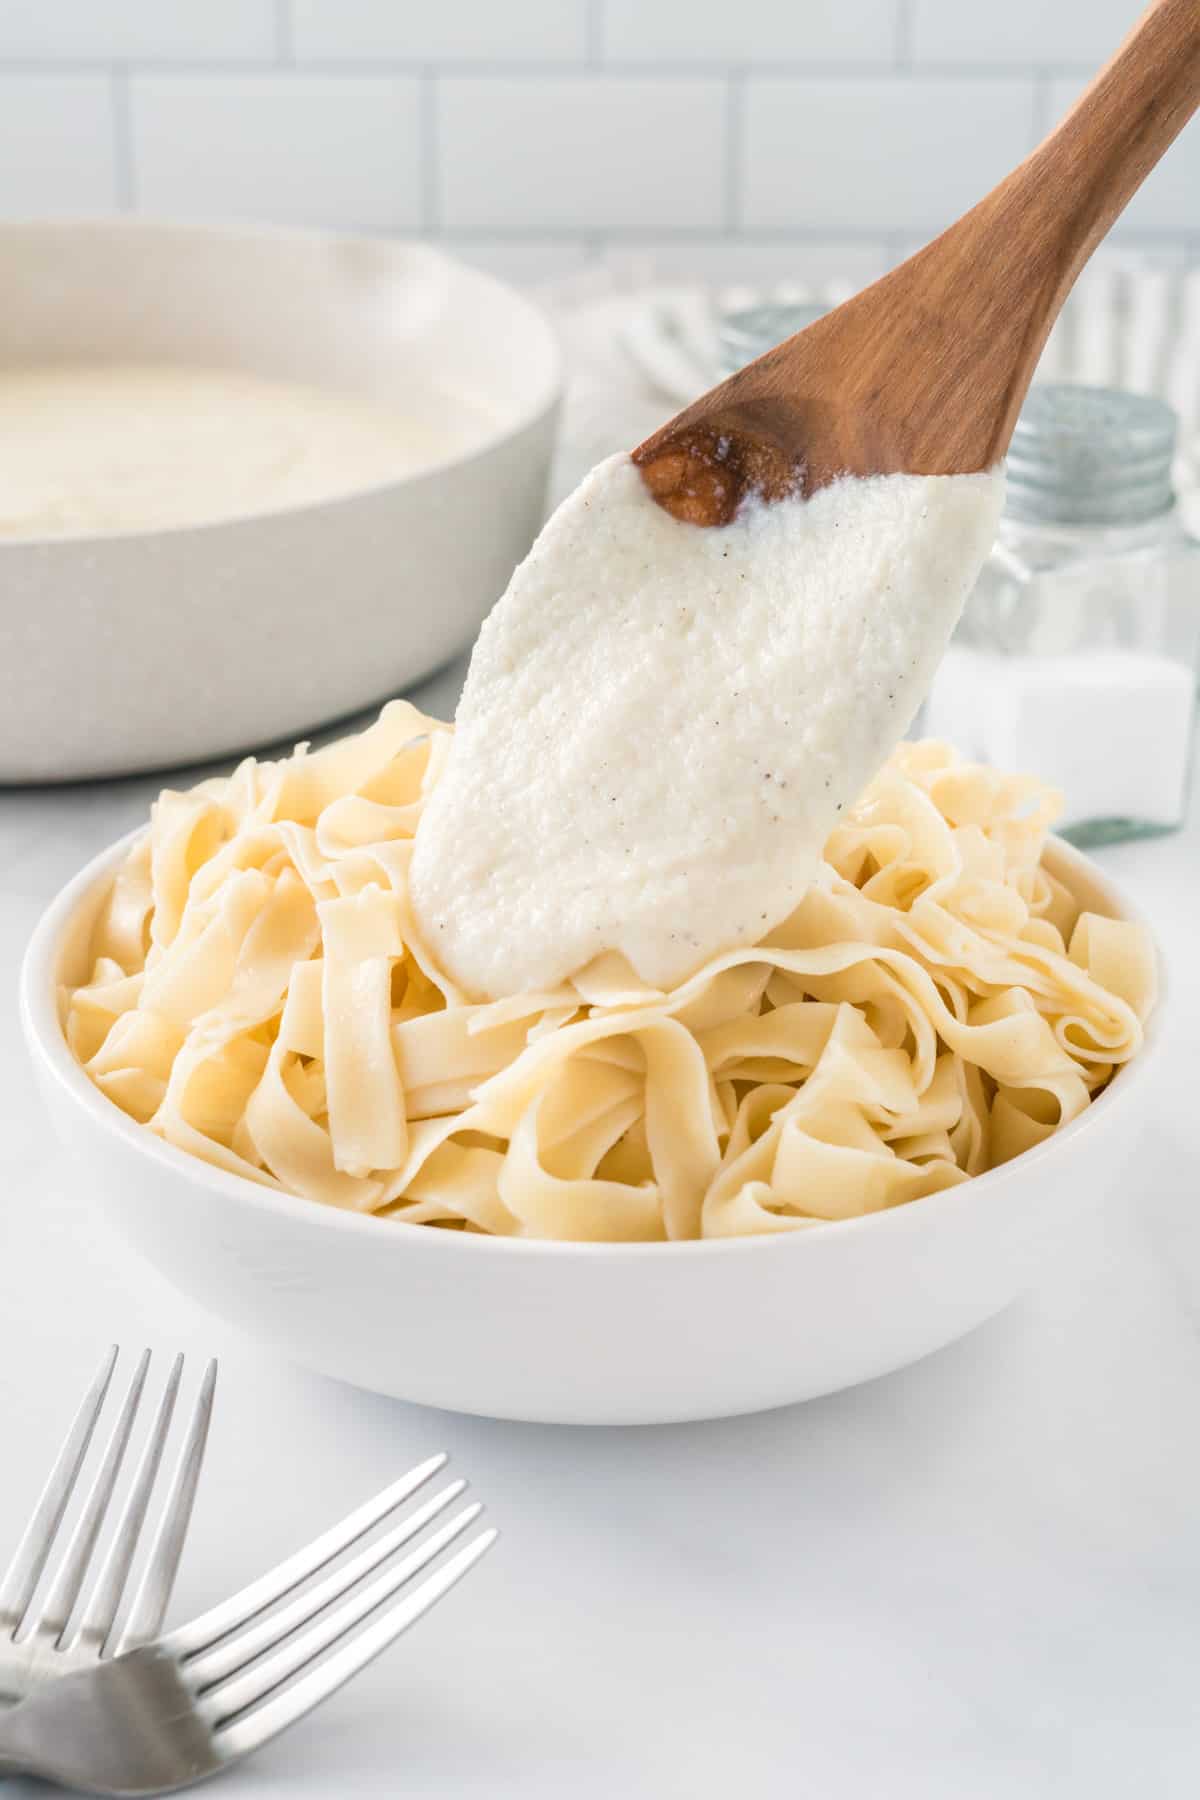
{"x": 1076, "y": 655}
{"x": 747, "y": 332}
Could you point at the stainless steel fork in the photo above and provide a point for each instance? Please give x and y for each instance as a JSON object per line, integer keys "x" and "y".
{"x": 171, "y": 1713}
{"x": 44, "y": 1632}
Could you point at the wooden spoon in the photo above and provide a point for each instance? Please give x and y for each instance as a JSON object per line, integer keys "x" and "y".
{"x": 925, "y": 371}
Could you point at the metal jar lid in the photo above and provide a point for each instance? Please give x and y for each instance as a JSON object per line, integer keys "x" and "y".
{"x": 1091, "y": 456}
{"x": 747, "y": 332}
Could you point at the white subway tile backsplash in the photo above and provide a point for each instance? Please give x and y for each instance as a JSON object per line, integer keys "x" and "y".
{"x": 886, "y": 154}
{"x": 526, "y": 264}
{"x": 1116, "y": 254}
{"x": 750, "y": 31}
{"x": 117, "y": 30}
{"x": 304, "y": 149}
{"x": 1030, "y": 33}
{"x": 492, "y": 31}
{"x": 1123, "y": 252}
{"x": 748, "y": 142}
{"x": 746, "y": 262}
{"x": 580, "y": 153}
{"x": 56, "y": 145}
{"x": 1170, "y": 199}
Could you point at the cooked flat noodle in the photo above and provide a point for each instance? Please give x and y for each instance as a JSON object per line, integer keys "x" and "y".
{"x": 936, "y": 1004}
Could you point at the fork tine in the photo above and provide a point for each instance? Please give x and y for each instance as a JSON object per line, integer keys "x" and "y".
{"x": 158, "y": 1578}
{"x": 252, "y": 1685}
{"x": 33, "y": 1551}
{"x": 269, "y": 1588}
{"x": 56, "y": 1609}
{"x": 213, "y": 1666}
{"x": 105, "y": 1597}
{"x": 291, "y": 1703}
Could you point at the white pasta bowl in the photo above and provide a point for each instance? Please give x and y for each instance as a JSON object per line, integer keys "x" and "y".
{"x": 576, "y": 1333}
{"x": 144, "y": 649}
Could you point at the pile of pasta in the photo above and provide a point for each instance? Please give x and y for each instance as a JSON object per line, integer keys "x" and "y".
{"x": 260, "y": 997}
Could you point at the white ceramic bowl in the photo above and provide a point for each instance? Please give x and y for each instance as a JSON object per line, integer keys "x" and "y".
{"x": 145, "y": 649}
{"x": 574, "y": 1333}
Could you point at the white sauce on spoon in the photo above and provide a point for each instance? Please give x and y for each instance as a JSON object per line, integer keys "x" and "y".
{"x": 662, "y": 721}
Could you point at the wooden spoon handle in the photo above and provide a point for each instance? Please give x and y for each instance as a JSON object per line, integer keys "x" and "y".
{"x": 1065, "y": 196}
{"x": 1036, "y": 230}
{"x": 926, "y": 370}
{"x": 978, "y": 304}
{"x": 959, "y": 328}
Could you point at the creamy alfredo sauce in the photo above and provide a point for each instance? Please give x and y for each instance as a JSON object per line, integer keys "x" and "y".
{"x": 106, "y": 447}
{"x": 662, "y": 721}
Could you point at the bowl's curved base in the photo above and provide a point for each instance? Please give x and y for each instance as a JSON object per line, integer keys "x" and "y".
{"x": 666, "y": 1334}
{"x": 581, "y": 1334}
{"x": 599, "y": 1415}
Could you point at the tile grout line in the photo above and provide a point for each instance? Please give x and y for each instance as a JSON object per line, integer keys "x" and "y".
{"x": 285, "y": 45}
{"x": 122, "y": 128}
{"x": 428, "y": 148}
{"x": 851, "y": 239}
{"x": 804, "y": 237}
{"x": 562, "y": 69}
{"x": 593, "y": 25}
{"x": 1043, "y": 111}
{"x": 905, "y": 34}
{"x": 735, "y": 116}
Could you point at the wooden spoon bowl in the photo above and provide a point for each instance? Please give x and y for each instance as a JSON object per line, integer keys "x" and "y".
{"x": 925, "y": 371}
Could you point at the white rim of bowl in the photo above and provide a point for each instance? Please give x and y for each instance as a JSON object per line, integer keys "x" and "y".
{"x": 48, "y": 1046}
{"x": 546, "y": 396}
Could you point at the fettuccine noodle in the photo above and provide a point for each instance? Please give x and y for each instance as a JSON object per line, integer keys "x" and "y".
{"x": 936, "y": 1004}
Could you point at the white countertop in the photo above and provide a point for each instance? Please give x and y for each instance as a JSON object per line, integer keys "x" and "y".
{"x": 979, "y": 1578}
